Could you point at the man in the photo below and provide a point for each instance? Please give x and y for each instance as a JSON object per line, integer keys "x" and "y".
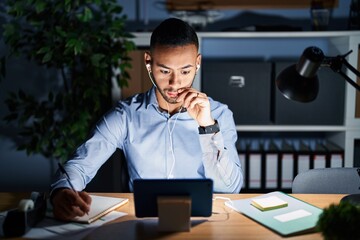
{"x": 171, "y": 131}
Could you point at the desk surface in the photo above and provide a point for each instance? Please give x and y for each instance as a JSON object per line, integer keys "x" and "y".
{"x": 223, "y": 224}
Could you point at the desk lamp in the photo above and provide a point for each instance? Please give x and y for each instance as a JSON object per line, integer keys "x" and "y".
{"x": 299, "y": 82}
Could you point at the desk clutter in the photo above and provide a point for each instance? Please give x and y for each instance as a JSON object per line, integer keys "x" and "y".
{"x": 272, "y": 164}
{"x": 33, "y": 217}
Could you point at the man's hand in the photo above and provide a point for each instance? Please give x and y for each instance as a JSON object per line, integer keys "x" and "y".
{"x": 197, "y": 105}
{"x": 68, "y": 204}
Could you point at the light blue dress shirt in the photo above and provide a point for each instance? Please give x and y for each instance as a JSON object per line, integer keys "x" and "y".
{"x": 157, "y": 145}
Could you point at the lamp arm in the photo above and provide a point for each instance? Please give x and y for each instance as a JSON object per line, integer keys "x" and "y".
{"x": 336, "y": 63}
{"x": 349, "y": 80}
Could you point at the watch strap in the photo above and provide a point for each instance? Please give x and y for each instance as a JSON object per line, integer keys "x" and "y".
{"x": 209, "y": 129}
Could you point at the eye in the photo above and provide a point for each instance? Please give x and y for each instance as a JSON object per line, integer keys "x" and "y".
{"x": 164, "y": 71}
{"x": 185, "y": 72}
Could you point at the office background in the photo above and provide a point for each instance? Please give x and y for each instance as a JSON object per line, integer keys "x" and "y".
{"x": 21, "y": 172}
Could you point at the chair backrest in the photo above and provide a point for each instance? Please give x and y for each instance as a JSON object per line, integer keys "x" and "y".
{"x": 328, "y": 180}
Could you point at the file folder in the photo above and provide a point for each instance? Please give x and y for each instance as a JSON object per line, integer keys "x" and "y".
{"x": 287, "y": 157}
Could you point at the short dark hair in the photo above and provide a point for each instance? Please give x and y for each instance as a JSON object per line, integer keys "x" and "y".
{"x": 173, "y": 32}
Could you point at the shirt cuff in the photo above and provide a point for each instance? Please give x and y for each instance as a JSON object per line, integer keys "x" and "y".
{"x": 212, "y": 142}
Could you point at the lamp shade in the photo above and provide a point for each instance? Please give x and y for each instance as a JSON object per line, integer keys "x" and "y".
{"x": 299, "y": 82}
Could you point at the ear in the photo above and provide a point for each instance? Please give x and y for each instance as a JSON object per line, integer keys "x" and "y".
{"x": 147, "y": 60}
{"x": 198, "y": 61}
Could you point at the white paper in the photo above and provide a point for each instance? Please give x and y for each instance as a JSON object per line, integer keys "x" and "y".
{"x": 292, "y": 215}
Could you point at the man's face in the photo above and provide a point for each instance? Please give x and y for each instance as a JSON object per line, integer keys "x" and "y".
{"x": 173, "y": 68}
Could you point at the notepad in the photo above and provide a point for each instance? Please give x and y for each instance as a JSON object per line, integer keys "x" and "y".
{"x": 100, "y": 206}
{"x": 268, "y": 203}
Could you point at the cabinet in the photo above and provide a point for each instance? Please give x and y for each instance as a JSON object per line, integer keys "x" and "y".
{"x": 266, "y": 46}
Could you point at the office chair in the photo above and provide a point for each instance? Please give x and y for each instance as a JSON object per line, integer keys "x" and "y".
{"x": 328, "y": 180}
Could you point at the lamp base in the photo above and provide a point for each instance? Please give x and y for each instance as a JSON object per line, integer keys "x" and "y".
{"x": 352, "y": 198}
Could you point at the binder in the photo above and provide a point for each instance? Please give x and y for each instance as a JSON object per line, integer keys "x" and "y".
{"x": 287, "y": 154}
{"x": 303, "y": 157}
{"x": 319, "y": 156}
{"x": 271, "y": 155}
{"x": 241, "y": 148}
{"x": 254, "y": 164}
{"x": 335, "y": 155}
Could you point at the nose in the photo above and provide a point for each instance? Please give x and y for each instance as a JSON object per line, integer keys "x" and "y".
{"x": 174, "y": 79}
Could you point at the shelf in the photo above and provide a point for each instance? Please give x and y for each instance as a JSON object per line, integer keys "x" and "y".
{"x": 289, "y": 128}
{"x": 306, "y": 34}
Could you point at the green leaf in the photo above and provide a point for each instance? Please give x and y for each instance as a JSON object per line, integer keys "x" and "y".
{"x": 40, "y": 6}
{"x": 60, "y": 31}
{"x": 47, "y": 57}
{"x": 86, "y": 16}
{"x": 9, "y": 30}
{"x": 76, "y": 45}
{"x": 43, "y": 50}
{"x": 96, "y": 58}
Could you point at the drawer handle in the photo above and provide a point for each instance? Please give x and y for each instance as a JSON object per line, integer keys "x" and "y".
{"x": 237, "y": 81}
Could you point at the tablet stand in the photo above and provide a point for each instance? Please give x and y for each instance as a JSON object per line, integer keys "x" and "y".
{"x": 174, "y": 213}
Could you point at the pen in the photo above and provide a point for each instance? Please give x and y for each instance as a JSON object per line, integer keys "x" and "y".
{"x": 62, "y": 169}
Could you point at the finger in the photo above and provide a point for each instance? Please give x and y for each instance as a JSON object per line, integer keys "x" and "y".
{"x": 82, "y": 203}
{"x": 86, "y": 197}
{"x": 77, "y": 211}
{"x": 182, "y": 93}
{"x": 190, "y": 98}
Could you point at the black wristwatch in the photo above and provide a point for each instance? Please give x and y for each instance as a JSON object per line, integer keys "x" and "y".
{"x": 209, "y": 129}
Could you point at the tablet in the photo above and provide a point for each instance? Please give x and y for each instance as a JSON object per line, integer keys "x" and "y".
{"x": 146, "y": 192}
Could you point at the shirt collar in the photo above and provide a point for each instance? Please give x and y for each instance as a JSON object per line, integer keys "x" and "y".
{"x": 151, "y": 98}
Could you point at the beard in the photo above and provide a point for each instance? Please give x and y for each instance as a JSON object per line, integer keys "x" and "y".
{"x": 171, "y": 100}
{"x": 165, "y": 97}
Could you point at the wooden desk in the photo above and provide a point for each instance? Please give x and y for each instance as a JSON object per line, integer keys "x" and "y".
{"x": 223, "y": 224}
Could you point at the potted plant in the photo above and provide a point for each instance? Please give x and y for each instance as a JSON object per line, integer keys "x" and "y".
{"x": 340, "y": 221}
{"x": 87, "y": 43}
